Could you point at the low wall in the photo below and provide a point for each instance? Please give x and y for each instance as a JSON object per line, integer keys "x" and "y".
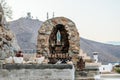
{"x": 36, "y": 72}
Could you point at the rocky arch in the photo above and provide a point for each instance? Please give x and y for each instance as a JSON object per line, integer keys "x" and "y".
{"x": 68, "y": 31}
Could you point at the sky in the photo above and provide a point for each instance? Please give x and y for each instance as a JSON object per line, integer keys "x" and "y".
{"x": 97, "y": 20}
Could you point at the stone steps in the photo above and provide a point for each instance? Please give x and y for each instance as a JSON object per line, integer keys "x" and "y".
{"x": 83, "y": 75}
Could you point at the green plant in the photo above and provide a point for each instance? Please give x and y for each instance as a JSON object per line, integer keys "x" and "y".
{"x": 117, "y": 70}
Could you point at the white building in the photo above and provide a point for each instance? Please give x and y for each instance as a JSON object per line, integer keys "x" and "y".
{"x": 95, "y": 57}
{"x": 106, "y": 68}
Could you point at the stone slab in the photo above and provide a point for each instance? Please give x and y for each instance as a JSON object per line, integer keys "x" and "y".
{"x": 37, "y": 66}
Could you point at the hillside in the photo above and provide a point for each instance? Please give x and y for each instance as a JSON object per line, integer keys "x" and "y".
{"x": 107, "y": 52}
{"x": 26, "y": 30}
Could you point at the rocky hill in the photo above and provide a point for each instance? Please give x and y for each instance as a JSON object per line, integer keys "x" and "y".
{"x": 26, "y": 30}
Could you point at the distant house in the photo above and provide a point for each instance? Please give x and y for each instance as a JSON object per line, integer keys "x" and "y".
{"x": 106, "y": 68}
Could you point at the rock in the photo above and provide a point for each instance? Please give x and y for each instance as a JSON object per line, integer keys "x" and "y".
{"x": 40, "y": 60}
{"x": 8, "y": 43}
{"x": 69, "y": 62}
{"x": 9, "y": 60}
{"x": 2, "y": 54}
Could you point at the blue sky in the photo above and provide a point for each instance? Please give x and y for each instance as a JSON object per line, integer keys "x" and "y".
{"x": 97, "y": 20}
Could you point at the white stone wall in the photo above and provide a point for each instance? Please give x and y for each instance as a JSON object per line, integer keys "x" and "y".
{"x": 37, "y": 74}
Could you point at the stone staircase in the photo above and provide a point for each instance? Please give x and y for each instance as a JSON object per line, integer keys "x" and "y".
{"x": 83, "y": 75}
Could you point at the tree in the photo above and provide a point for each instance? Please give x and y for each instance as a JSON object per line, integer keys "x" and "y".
{"x": 6, "y": 10}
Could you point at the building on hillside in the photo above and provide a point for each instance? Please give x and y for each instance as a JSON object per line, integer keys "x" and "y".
{"x": 29, "y": 15}
{"x": 95, "y": 57}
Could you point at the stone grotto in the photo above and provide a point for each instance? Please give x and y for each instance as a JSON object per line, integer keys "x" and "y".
{"x": 58, "y": 38}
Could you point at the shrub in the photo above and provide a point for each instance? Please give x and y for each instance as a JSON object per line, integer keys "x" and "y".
{"x": 117, "y": 70}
